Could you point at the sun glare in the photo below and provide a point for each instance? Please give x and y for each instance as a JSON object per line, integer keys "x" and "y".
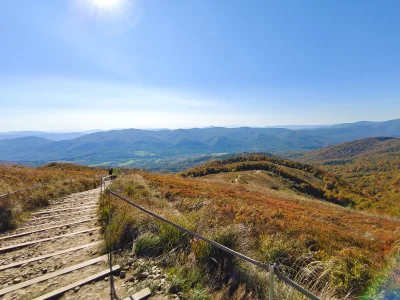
{"x": 106, "y": 4}
{"x": 110, "y": 16}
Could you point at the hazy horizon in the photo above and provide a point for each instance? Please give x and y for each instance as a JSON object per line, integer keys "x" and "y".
{"x": 288, "y": 126}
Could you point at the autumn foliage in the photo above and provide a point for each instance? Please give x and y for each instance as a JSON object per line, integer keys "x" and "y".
{"x": 52, "y": 181}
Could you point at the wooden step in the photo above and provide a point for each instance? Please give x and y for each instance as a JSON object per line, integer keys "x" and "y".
{"x": 89, "y": 279}
{"x": 63, "y": 215}
{"x": 62, "y": 209}
{"x": 57, "y": 222}
{"x": 143, "y": 294}
{"x": 43, "y": 229}
{"x": 52, "y": 275}
{"x": 19, "y": 263}
{"x": 13, "y": 247}
{"x": 60, "y": 206}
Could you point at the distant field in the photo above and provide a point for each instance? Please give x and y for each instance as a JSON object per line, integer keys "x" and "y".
{"x": 106, "y": 163}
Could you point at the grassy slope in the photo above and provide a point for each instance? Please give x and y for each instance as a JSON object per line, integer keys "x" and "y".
{"x": 371, "y": 166}
{"x": 297, "y": 232}
{"x": 299, "y": 177}
{"x": 59, "y": 180}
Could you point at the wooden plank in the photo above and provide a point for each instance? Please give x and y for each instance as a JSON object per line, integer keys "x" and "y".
{"x": 55, "y": 206}
{"x": 63, "y": 209}
{"x": 57, "y": 222}
{"x": 12, "y": 247}
{"x": 89, "y": 279}
{"x": 42, "y": 229}
{"x": 81, "y": 201}
{"x": 19, "y": 263}
{"x": 59, "y": 216}
{"x": 143, "y": 294}
{"x": 52, "y": 275}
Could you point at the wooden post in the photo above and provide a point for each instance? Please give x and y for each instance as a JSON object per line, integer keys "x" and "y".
{"x": 271, "y": 281}
{"x": 110, "y": 247}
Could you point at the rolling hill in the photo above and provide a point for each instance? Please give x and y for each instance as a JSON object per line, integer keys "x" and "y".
{"x": 333, "y": 251}
{"x": 152, "y": 149}
{"x": 372, "y": 166}
{"x": 278, "y": 174}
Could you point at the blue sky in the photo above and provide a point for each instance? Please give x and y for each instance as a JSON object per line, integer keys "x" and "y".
{"x": 85, "y": 64}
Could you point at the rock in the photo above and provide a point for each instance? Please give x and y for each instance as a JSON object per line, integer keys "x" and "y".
{"x": 158, "y": 285}
{"x": 90, "y": 233}
{"x": 143, "y": 275}
{"x": 162, "y": 281}
{"x": 106, "y": 278}
{"x": 131, "y": 261}
{"x": 40, "y": 262}
{"x": 156, "y": 276}
{"x": 17, "y": 280}
{"x": 44, "y": 270}
{"x": 76, "y": 289}
{"x": 122, "y": 274}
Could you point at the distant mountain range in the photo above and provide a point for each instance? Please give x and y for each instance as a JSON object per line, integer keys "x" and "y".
{"x": 46, "y": 135}
{"x": 149, "y": 148}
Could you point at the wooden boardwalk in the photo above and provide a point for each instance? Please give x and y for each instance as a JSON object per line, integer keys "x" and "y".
{"x": 55, "y": 251}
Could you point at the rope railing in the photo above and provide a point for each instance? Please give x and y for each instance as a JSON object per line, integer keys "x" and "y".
{"x": 271, "y": 268}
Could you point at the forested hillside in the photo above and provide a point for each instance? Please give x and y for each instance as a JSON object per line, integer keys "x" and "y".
{"x": 371, "y": 166}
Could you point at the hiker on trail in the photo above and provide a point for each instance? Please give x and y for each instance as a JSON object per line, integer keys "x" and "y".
{"x": 110, "y": 172}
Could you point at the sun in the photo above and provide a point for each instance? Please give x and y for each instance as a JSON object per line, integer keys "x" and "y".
{"x": 106, "y": 4}
{"x": 109, "y": 16}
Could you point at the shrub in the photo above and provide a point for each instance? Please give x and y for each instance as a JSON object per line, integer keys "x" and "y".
{"x": 213, "y": 257}
{"x": 351, "y": 272}
{"x": 172, "y": 237}
{"x": 200, "y": 293}
{"x": 147, "y": 244}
